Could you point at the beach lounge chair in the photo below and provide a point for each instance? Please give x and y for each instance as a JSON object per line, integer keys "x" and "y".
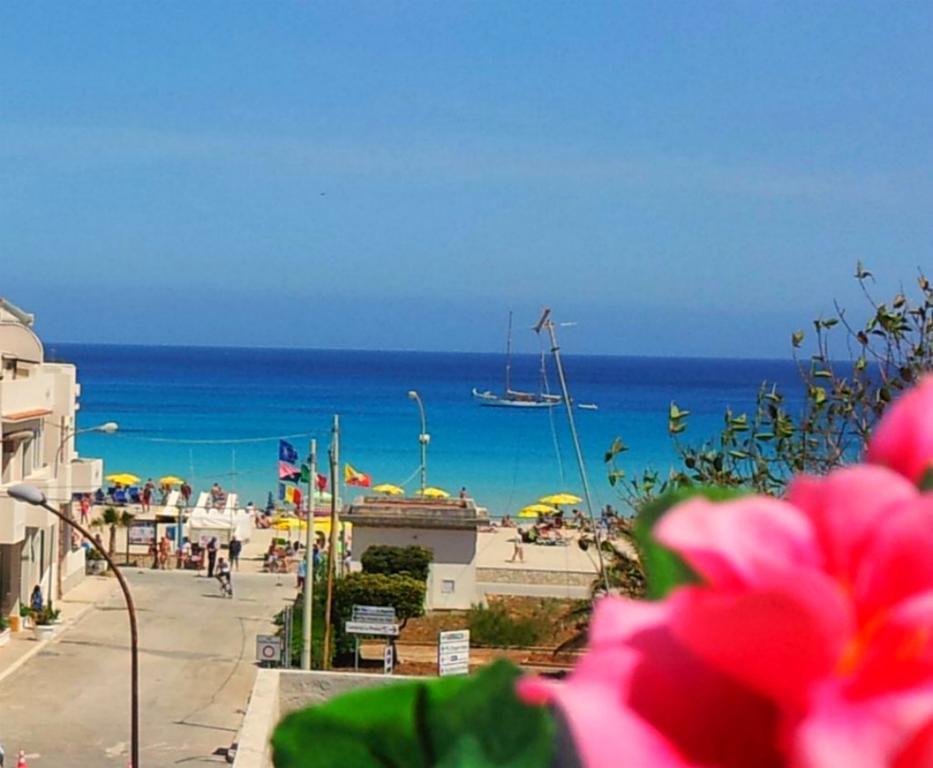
{"x": 133, "y": 494}
{"x": 119, "y": 496}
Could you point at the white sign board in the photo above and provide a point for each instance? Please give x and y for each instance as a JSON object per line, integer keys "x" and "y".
{"x": 388, "y": 659}
{"x": 141, "y": 532}
{"x": 372, "y": 628}
{"x": 268, "y": 648}
{"x": 453, "y": 653}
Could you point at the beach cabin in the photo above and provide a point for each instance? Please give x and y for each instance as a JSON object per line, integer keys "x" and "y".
{"x": 448, "y": 527}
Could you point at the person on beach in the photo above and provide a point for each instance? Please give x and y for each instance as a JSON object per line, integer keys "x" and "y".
{"x": 302, "y": 573}
{"x": 165, "y": 549}
{"x": 211, "y": 556}
{"x": 225, "y": 577}
{"x": 35, "y": 600}
{"x": 186, "y": 493}
{"x": 518, "y": 551}
{"x": 463, "y": 492}
{"x": 217, "y": 495}
{"x": 148, "y": 490}
{"x": 236, "y": 546}
{"x": 184, "y": 553}
{"x": 85, "y": 508}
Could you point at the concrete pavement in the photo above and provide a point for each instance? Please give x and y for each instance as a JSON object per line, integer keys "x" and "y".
{"x": 69, "y": 703}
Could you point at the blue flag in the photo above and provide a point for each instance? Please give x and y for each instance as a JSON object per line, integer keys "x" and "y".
{"x": 287, "y": 452}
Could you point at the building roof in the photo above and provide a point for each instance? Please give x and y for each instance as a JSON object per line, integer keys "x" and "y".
{"x": 451, "y": 514}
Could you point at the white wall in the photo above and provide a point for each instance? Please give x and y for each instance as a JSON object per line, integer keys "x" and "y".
{"x": 454, "y": 560}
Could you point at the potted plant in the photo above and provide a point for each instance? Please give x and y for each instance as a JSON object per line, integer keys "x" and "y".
{"x": 44, "y": 622}
{"x": 94, "y": 563}
{"x": 4, "y": 630}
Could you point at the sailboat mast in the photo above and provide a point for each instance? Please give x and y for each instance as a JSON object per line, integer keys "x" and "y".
{"x": 508, "y": 358}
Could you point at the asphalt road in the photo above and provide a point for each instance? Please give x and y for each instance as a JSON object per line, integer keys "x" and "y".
{"x": 69, "y": 705}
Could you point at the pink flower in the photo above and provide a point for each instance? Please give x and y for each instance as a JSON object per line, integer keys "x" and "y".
{"x": 808, "y": 644}
{"x": 904, "y": 439}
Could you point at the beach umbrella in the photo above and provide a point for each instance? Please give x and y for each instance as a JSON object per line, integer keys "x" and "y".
{"x": 123, "y": 478}
{"x": 533, "y": 510}
{"x": 434, "y": 493}
{"x": 171, "y": 480}
{"x": 389, "y": 489}
{"x": 559, "y": 499}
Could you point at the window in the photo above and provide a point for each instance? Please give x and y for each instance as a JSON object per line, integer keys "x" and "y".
{"x": 447, "y": 587}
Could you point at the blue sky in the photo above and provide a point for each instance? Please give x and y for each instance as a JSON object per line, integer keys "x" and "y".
{"x": 678, "y": 178}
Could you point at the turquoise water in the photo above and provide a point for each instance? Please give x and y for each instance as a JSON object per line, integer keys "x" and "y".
{"x": 214, "y": 414}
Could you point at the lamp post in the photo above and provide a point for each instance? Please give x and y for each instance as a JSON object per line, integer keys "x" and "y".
{"x": 424, "y": 438}
{"x": 108, "y": 427}
{"x": 32, "y": 495}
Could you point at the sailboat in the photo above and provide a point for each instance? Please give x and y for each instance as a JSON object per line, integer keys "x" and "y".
{"x": 513, "y": 398}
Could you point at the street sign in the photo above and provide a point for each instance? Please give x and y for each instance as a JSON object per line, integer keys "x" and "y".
{"x": 372, "y": 628}
{"x": 388, "y": 659}
{"x": 453, "y": 652}
{"x": 374, "y": 613}
{"x": 268, "y": 648}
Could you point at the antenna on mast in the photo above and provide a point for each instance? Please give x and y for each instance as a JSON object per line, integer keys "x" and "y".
{"x": 545, "y": 322}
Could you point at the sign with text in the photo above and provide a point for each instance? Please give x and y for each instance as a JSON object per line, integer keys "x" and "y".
{"x": 374, "y": 613}
{"x": 453, "y": 652}
{"x": 141, "y": 532}
{"x": 372, "y": 628}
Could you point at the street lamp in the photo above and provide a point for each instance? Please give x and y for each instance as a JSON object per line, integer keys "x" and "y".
{"x": 108, "y": 427}
{"x": 32, "y": 495}
{"x": 424, "y": 438}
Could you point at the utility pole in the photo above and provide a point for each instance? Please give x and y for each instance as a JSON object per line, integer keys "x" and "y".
{"x": 546, "y": 322}
{"x": 332, "y": 547}
{"x": 307, "y": 617}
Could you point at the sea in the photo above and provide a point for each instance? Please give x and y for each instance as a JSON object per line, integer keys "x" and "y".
{"x": 216, "y": 414}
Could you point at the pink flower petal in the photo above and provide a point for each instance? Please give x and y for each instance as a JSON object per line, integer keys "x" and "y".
{"x": 865, "y": 733}
{"x": 898, "y": 559}
{"x": 903, "y": 440}
{"x": 896, "y": 653}
{"x": 777, "y": 642}
{"x": 846, "y": 508}
{"x": 742, "y": 543}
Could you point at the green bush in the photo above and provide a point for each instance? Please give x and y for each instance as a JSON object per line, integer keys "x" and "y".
{"x": 495, "y": 627}
{"x": 414, "y": 561}
{"x": 403, "y": 593}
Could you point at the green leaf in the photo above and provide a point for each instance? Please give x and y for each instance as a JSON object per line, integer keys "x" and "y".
{"x": 665, "y": 569}
{"x": 615, "y": 449}
{"x": 451, "y": 721}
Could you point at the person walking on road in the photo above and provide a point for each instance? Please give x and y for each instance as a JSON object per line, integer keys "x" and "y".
{"x": 211, "y": 556}
{"x": 236, "y": 546}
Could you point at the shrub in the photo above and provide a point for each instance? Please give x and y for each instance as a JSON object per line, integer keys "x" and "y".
{"x": 496, "y": 627}
{"x": 403, "y": 593}
{"x": 414, "y": 561}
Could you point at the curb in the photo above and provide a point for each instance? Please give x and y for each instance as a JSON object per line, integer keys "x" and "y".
{"x": 41, "y": 644}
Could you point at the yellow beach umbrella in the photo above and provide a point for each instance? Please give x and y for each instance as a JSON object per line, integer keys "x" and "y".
{"x": 559, "y": 499}
{"x": 533, "y": 510}
{"x": 171, "y": 480}
{"x": 123, "y": 478}
{"x": 434, "y": 493}
{"x": 389, "y": 489}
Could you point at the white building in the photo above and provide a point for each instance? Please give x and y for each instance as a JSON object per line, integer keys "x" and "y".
{"x": 38, "y": 402}
{"x": 447, "y": 527}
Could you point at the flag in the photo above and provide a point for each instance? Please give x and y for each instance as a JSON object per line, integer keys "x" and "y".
{"x": 293, "y": 495}
{"x": 287, "y": 452}
{"x": 288, "y": 472}
{"x": 352, "y": 477}
{"x": 320, "y": 482}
